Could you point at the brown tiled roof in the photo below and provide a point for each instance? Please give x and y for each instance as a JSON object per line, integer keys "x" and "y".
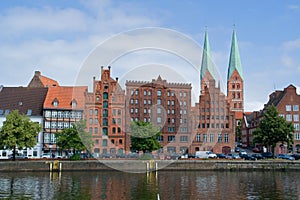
{"x": 23, "y": 99}
{"x": 42, "y": 81}
{"x": 64, "y": 96}
{"x": 48, "y": 82}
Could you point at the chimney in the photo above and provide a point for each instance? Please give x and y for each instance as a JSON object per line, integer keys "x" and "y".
{"x": 37, "y": 73}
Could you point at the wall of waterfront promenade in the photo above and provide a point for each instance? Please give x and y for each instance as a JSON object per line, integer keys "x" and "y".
{"x": 143, "y": 166}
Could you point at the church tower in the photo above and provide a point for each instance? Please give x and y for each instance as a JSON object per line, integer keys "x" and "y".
{"x": 235, "y": 80}
{"x": 207, "y": 72}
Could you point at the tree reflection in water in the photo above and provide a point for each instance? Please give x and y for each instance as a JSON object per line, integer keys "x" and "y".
{"x": 114, "y": 185}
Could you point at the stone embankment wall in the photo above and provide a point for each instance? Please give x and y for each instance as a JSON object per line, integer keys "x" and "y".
{"x": 143, "y": 166}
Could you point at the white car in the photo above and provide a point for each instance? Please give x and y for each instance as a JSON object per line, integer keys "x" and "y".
{"x": 212, "y": 155}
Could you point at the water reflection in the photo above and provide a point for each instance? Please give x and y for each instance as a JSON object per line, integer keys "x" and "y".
{"x": 169, "y": 185}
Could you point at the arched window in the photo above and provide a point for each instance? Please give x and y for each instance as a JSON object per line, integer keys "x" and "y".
{"x": 105, "y": 95}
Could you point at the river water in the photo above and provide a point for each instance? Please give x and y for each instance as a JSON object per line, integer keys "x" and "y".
{"x": 114, "y": 185}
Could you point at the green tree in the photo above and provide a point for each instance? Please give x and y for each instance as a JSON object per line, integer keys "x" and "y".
{"x": 75, "y": 138}
{"x": 239, "y": 131}
{"x": 144, "y": 136}
{"x": 18, "y": 131}
{"x": 273, "y": 129}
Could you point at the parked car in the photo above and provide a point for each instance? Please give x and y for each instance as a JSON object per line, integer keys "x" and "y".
{"x": 236, "y": 149}
{"x": 248, "y": 157}
{"x": 267, "y": 155}
{"x": 47, "y": 155}
{"x": 221, "y": 155}
{"x": 296, "y": 156}
{"x": 190, "y": 155}
{"x": 212, "y": 155}
{"x": 258, "y": 156}
{"x": 285, "y": 156}
{"x": 235, "y": 156}
{"x": 243, "y": 152}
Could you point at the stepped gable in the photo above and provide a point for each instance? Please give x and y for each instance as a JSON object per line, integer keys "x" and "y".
{"x": 28, "y": 101}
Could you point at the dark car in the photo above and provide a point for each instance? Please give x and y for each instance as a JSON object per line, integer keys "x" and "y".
{"x": 221, "y": 155}
{"x": 296, "y": 156}
{"x": 258, "y": 156}
{"x": 190, "y": 155}
{"x": 285, "y": 156}
{"x": 236, "y": 149}
{"x": 268, "y": 155}
{"x": 248, "y": 157}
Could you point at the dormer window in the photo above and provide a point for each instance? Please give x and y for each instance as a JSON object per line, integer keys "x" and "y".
{"x": 74, "y": 103}
{"x": 55, "y": 102}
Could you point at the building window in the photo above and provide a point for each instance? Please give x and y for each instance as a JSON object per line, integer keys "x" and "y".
{"x": 297, "y": 136}
{"x": 104, "y": 143}
{"x": 96, "y": 112}
{"x": 220, "y": 137}
{"x": 47, "y": 113}
{"x": 281, "y": 115}
{"x": 296, "y": 126}
{"x": 114, "y": 130}
{"x": 289, "y": 118}
{"x": 131, "y": 101}
{"x": 171, "y": 138}
{"x": 159, "y": 120}
{"x": 158, "y": 93}
{"x": 145, "y": 101}
{"x": 105, "y": 104}
{"x": 159, "y": 101}
{"x": 173, "y": 102}
{"x": 212, "y": 137}
{"x": 136, "y": 92}
{"x": 131, "y": 110}
{"x": 168, "y": 102}
{"x": 91, "y": 121}
{"x": 96, "y": 130}
{"x": 55, "y": 103}
{"x": 104, "y": 131}
{"x": 226, "y": 138}
{"x": 96, "y": 121}
{"x": 158, "y": 110}
{"x": 168, "y": 93}
{"x": 105, "y": 95}
{"x": 149, "y": 101}
{"x": 160, "y": 138}
{"x": 136, "y": 101}
{"x": 47, "y": 124}
{"x": 145, "y": 92}
{"x": 183, "y": 138}
{"x": 288, "y": 107}
{"x": 173, "y": 121}
{"x": 198, "y": 137}
{"x": 296, "y": 118}
{"x": 205, "y": 137}
{"x": 149, "y": 93}
{"x": 295, "y": 107}
{"x": 171, "y": 129}
{"x": 173, "y": 93}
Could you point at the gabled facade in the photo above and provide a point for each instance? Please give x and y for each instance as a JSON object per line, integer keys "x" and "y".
{"x": 42, "y": 81}
{"x": 215, "y": 121}
{"x": 166, "y": 105}
{"x": 287, "y": 102}
{"x": 62, "y": 107}
{"x": 105, "y": 114}
{"x": 28, "y": 101}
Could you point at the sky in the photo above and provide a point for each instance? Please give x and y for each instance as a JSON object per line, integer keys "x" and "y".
{"x": 65, "y": 39}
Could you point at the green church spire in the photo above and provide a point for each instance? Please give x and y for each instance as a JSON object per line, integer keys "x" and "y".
{"x": 234, "y": 60}
{"x": 207, "y": 64}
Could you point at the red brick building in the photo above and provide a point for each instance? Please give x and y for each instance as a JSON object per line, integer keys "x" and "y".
{"x": 287, "y": 102}
{"x": 166, "y": 105}
{"x": 215, "y": 113}
{"x": 105, "y": 115}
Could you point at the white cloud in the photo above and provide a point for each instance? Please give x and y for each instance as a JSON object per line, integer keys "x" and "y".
{"x": 56, "y": 40}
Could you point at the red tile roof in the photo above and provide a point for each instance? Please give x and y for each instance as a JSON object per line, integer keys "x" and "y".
{"x": 64, "y": 96}
{"x": 48, "y": 82}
